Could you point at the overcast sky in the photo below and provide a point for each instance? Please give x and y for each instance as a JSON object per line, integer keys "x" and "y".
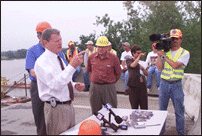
{"x": 73, "y": 19}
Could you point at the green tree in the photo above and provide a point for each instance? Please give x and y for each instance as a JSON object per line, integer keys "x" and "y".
{"x": 21, "y": 53}
{"x": 192, "y": 34}
{"x": 10, "y": 54}
{"x": 113, "y": 31}
{"x": 162, "y": 16}
{"x": 85, "y": 39}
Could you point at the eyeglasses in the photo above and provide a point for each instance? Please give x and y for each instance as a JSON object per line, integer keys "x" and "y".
{"x": 174, "y": 38}
{"x": 40, "y": 33}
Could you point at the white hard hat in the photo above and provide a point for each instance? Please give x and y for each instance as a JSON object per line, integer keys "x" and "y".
{"x": 89, "y": 42}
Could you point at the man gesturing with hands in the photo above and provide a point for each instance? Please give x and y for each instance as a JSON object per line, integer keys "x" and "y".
{"x": 55, "y": 85}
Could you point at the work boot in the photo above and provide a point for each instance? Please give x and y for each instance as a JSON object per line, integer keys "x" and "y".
{"x": 126, "y": 92}
{"x": 86, "y": 88}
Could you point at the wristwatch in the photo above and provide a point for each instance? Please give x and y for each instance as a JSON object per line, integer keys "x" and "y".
{"x": 163, "y": 56}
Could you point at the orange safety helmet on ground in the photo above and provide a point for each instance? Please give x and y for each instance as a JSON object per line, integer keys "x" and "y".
{"x": 175, "y": 33}
{"x": 41, "y": 26}
{"x": 89, "y": 127}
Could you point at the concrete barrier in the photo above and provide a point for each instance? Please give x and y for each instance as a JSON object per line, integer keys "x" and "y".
{"x": 192, "y": 90}
{"x": 192, "y": 101}
{"x": 120, "y": 84}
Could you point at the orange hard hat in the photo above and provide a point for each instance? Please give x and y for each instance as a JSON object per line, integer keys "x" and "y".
{"x": 70, "y": 42}
{"x": 175, "y": 33}
{"x": 41, "y": 26}
{"x": 89, "y": 127}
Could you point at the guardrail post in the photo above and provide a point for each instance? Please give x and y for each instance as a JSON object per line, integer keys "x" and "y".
{"x": 25, "y": 85}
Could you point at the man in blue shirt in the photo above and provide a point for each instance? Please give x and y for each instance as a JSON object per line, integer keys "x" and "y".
{"x": 32, "y": 54}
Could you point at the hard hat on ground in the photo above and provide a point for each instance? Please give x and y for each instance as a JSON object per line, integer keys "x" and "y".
{"x": 70, "y": 43}
{"x": 41, "y": 26}
{"x": 89, "y": 127}
{"x": 102, "y": 41}
{"x": 154, "y": 45}
{"x": 175, "y": 33}
{"x": 89, "y": 42}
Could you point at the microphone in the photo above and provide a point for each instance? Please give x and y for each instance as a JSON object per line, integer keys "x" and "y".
{"x": 101, "y": 117}
{"x": 108, "y": 107}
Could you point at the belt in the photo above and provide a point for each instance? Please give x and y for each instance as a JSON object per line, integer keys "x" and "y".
{"x": 102, "y": 83}
{"x": 58, "y": 102}
{"x": 175, "y": 81}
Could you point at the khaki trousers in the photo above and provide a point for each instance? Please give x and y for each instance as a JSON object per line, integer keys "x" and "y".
{"x": 58, "y": 119}
{"x": 102, "y": 93}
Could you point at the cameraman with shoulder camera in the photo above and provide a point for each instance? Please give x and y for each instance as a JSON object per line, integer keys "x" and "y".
{"x": 172, "y": 64}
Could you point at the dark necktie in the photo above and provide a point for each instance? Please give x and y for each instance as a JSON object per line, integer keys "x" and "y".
{"x": 71, "y": 93}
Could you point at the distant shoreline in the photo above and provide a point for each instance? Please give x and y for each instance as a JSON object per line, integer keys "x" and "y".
{"x": 12, "y": 59}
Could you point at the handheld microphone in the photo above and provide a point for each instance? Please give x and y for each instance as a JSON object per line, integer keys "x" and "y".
{"x": 108, "y": 107}
{"x": 101, "y": 117}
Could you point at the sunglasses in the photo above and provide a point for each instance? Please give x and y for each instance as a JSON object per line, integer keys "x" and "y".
{"x": 174, "y": 38}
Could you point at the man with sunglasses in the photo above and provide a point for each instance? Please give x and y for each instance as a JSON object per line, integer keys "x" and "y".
{"x": 172, "y": 65}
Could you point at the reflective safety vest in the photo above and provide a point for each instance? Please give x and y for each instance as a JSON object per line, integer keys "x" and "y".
{"x": 168, "y": 73}
{"x": 113, "y": 51}
{"x": 69, "y": 57}
{"x": 89, "y": 52}
{"x": 3, "y": 80}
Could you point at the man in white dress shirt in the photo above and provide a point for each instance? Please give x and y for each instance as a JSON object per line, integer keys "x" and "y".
{"x": 53, "y": 81}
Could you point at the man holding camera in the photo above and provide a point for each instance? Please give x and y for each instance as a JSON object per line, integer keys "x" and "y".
{"x": 172, "y": 64}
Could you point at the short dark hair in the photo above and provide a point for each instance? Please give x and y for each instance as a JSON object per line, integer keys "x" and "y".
{"x": 135, "y": 48}
{"x": 46, "y": 35}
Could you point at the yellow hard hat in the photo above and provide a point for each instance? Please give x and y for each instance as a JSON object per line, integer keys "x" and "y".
{"x": 89, "y": 127}
{"x": 41, "y": 26}
{"x": 102, "y": 41}
{"x": 175, "y": 33}
{"x": 70, "y": 43}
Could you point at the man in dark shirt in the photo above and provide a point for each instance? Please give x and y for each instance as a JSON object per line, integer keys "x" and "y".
{"x": 105, "y": 70}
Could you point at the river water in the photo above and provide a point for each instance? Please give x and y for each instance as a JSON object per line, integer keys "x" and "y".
{"x": 14, "y": 70}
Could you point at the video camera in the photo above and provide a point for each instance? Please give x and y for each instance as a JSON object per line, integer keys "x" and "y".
{"x": 164, "y": 41}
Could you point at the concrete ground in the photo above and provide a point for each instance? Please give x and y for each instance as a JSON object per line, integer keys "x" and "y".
{"x": 17, "y": 119}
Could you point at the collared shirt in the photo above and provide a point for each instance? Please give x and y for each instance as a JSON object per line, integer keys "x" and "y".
{"x": 51, "y": 80}
{"x": 103, "y": 70}
{"x": 33, "y": 54}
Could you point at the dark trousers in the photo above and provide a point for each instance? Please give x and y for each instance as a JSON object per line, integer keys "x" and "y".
{"x": 102, "y": 93}
{"x": 37, "y": 109}
{"x": 138, "y": 96}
